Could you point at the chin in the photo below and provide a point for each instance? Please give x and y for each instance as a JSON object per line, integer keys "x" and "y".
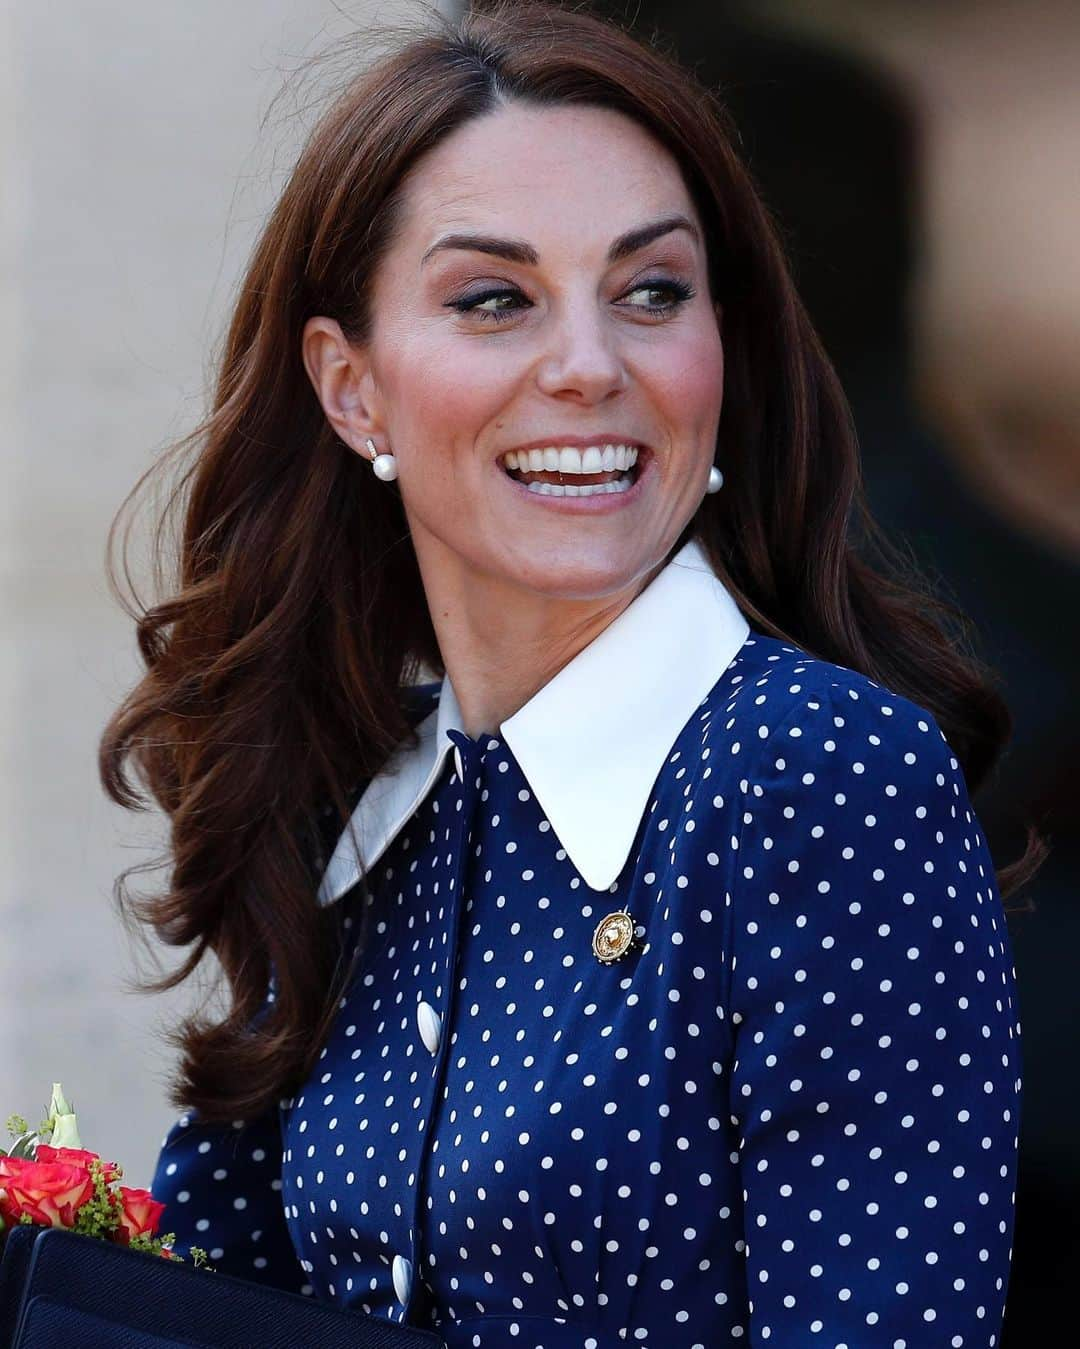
{"x": 571, "y": 572}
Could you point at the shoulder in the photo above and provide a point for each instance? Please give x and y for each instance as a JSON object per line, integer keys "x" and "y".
{"x": 779, "y": 716}
{"x": 776, "y": 695}
{"x": 835, "y": 760}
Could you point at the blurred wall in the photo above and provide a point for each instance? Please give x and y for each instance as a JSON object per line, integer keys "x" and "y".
{"x": 135, "y": 176}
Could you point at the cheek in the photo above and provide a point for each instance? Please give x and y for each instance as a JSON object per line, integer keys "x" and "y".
{"x": 439, "y": 397}
{"x": 689, "y": 378}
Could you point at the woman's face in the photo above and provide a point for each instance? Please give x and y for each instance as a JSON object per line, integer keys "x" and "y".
{"x": 547, "y": 292}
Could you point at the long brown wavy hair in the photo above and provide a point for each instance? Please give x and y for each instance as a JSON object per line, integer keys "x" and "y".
{"x": 277, "y": 667}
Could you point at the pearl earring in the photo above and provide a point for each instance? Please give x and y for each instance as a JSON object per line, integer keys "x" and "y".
{"x": 385, "y": 465}
{"x": 716, "y": 480}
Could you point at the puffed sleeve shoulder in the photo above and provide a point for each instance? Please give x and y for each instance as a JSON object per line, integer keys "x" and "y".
{"x": 876, "y": 1072}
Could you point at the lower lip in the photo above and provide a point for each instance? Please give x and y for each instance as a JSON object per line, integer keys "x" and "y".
{"x": 601, "y": 503}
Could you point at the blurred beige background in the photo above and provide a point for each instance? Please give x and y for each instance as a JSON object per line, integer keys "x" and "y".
{"x": 135, "y": 175}
{"x": 994, "y": 86}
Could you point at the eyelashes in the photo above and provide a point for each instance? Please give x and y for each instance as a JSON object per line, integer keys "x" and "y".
{"x": 677, "y": 293}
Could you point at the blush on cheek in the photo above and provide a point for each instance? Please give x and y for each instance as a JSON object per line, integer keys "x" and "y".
{"x": 457, "y": 402}
{"x": 691, "y": 383}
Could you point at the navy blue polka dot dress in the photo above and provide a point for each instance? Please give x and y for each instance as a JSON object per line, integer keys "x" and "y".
{"x": 779, "y": 1107}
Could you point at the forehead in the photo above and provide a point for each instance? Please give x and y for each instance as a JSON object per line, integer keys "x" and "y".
{"x": 530, "y": 170}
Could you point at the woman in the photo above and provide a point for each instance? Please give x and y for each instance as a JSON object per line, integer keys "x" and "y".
{"x": 644, "y": 976}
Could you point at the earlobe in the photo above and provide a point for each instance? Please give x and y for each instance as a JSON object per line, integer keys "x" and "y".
{"x": 341, "y": 376}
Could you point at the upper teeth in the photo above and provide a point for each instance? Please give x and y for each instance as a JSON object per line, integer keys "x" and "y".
{"x": 568, "y": 459}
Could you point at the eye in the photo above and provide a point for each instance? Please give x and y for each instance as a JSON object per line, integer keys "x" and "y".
{"x": 663, "y": 296}
{"x": 672, "y": 293}
{"x": 501, "y": 304}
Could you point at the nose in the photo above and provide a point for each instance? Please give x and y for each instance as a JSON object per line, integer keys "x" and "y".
{"x": 582, "y": 360}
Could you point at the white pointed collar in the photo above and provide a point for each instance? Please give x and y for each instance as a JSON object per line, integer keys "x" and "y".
{"x": 592, "y": 741}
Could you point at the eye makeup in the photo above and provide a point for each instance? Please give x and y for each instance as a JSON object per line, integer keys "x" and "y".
{"x": 678, "y": 293}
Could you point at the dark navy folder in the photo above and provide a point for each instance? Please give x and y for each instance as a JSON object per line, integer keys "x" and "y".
{"x": 59, "y": 1288}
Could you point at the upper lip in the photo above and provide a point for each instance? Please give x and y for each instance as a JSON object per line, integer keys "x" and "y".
{"x": 577, "y": 442}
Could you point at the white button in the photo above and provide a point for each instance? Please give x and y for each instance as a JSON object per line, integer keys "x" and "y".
{"x": 458, "y": 764}
{"x": 429, "y": 1023}
{"x": 402, "y": 1278}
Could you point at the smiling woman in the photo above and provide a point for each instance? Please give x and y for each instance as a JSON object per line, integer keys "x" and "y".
{"x": 644, "y": 976}
{"x": 530, "y": 329}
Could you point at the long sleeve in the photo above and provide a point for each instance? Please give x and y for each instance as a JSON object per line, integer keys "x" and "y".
{"x": 876, "y": 1072}
{"x": 221, "y": 1185}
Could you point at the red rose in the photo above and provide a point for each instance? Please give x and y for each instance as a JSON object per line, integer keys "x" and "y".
{"x": 77, "y": 1157}
{"x": 140, "y": 1213}
{"x": 49, "y": 1192}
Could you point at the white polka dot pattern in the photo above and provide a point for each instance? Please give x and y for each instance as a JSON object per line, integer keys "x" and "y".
{"x": 875, "y": 1087}
{"x": 788, "y": 1117}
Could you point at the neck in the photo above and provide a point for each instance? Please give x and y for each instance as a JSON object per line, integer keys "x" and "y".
{"x": 501, "y": 641}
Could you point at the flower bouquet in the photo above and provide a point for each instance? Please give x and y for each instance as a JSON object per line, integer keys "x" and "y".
{"x": 112, "y": 1293}
{"x": 48, "y": 1179}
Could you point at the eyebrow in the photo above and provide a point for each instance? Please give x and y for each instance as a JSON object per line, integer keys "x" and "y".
{"x": 517, "y": 250}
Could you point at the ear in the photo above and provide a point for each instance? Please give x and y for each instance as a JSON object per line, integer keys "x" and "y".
{"x": 343, "y": 381}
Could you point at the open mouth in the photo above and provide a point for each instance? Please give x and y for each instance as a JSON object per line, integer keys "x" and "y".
{"x": 567, "y": 471}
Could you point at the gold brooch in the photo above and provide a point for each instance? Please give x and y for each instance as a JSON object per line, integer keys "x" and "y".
{"x": 614, "y": 937}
